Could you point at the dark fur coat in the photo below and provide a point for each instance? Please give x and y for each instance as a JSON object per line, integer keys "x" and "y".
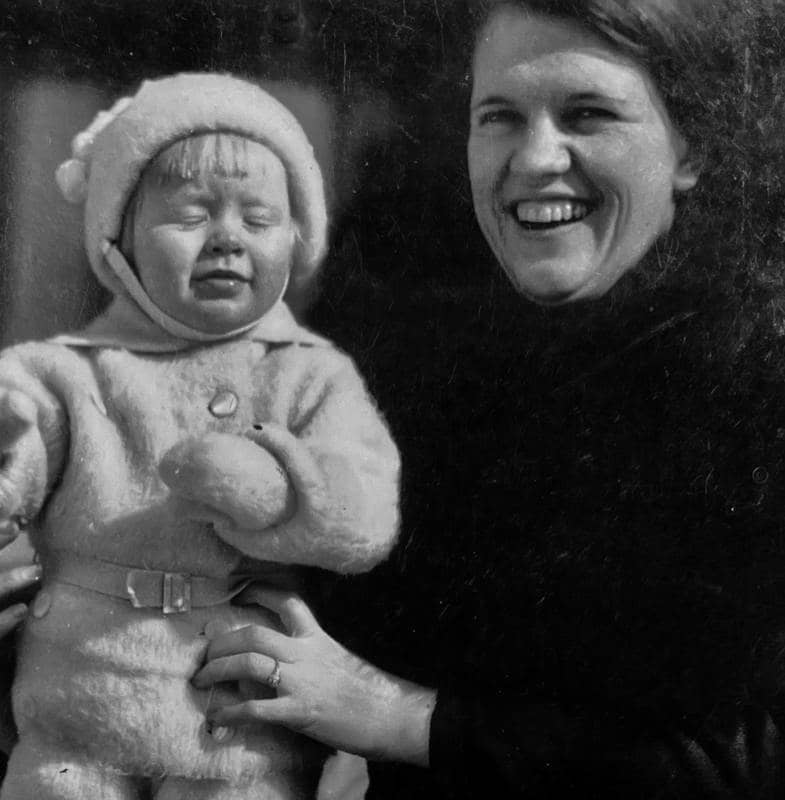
{"x": 594, "y": 511}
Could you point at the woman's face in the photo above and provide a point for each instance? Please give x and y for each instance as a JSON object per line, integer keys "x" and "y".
{"x": 572, "y": 157}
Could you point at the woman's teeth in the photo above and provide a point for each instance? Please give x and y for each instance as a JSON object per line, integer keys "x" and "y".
{"x": 544, "y": 213}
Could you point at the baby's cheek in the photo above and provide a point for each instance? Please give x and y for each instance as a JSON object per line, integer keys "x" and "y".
{"x": 282, "y": 249}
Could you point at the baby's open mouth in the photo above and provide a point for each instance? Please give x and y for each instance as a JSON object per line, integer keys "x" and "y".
{"x": 220, "y": 275}
{"x": 219, "y": 284}
{"x": 545, "y": 214}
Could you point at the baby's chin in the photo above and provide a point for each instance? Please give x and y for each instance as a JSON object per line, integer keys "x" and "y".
{"x": 218, "y": 316}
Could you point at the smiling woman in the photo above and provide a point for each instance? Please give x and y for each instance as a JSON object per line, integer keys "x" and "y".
{"x": 574, "y": 161}
{"x": 596, "y": 532}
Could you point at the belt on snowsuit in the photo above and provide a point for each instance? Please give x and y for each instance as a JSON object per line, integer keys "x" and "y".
{"x": 172, "y": 592}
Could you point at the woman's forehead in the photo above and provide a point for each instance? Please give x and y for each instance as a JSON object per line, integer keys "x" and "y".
{"x": 534, "y": 53}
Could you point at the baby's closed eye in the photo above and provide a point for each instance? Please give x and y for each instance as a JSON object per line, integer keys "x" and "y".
{"x": 192, "y": 216}
{"x": 261, "y": 217}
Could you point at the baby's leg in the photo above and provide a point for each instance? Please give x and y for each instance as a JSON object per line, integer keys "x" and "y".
{"x": 37, "y": 770}
{"x": 268, "y": 788}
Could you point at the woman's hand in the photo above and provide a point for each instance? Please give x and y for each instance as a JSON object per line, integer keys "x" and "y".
{"x": 12, "y": 580}
{"x": 325, "y": 691}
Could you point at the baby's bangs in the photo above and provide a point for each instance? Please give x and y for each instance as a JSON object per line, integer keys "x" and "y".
{"x": 222, "y": 154}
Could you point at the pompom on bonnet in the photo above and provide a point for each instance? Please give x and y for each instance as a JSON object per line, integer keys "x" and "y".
{"x": 109, "y": 156}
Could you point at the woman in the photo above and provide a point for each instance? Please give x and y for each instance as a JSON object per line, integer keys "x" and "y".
{"x": 629, "y": 604}
{"x": 609, "y": 551}
{"x": 642, "y": 557}
{"x": 616, "y": 629}
{"x": 16, "y": 584}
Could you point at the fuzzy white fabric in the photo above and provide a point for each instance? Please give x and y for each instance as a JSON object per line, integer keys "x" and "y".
{"x": 172, "y": 108}
{"x": 125, "y": 325}
{"x": 103, "y": 689}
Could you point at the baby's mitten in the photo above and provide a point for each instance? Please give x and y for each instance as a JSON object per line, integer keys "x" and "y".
{"x": 232, "y": 475}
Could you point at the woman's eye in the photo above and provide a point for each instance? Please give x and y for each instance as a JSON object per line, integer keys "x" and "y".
{"x": 498, "y": 116}
{"x": 589, "y": 114}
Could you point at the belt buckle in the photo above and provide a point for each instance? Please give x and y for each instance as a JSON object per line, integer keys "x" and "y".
{"x": 177, "y": 593}
{"x": 169, "y": 591}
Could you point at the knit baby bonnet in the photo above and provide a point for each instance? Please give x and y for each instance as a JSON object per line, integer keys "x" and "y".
{"x": 110, "y": 155}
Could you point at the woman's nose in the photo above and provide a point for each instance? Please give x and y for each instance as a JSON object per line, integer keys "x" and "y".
{"x": 542, "y": 150}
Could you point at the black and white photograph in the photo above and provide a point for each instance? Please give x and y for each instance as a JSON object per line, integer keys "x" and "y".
{"x": 392, "y": 399}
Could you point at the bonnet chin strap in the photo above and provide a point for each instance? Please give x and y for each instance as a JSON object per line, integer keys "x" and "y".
{"x": 119, "y": 266}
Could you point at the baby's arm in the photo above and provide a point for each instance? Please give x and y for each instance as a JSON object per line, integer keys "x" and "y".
{"x": 322, "y": 492}
{"x": 32, "y": 441}
{"x": 19, "y": 486}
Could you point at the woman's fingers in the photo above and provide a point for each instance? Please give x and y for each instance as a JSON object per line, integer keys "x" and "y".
{"x": 9, "y": 532}
{"x": 218, "y": 627}
{"x": 238, "y": 667}
{"x": 11, "y": 617}
{"x": 295, "y": 615}
{"x": 12, "y": 580}
{"x": 250, "y": 639}
{"x": 279, "y": 710}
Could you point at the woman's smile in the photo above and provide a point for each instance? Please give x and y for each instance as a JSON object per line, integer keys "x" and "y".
{"x": 549, "y": 214}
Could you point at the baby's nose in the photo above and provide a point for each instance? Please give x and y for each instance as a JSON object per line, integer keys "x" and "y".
{"x": 223, "y": 242}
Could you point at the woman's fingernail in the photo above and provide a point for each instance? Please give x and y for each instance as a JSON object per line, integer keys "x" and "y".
{"x": 215, "y": 628}
{"x": 9, "y": 532}
{"x": 32, "y": 573}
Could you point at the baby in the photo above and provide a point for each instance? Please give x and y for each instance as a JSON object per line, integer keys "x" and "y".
{"x": 190, "y": 440}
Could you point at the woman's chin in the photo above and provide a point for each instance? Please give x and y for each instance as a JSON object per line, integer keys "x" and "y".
{"x": 549, "y": 287}
{"x": 555, "y": 283}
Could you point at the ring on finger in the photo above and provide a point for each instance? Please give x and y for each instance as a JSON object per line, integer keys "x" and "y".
{"x": 273, "y": 680}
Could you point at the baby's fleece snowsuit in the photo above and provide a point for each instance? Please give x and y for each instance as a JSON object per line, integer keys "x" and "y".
{"x": 103, "y": 693}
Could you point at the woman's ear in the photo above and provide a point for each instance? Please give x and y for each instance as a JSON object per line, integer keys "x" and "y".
{"x": 688, "y": 167}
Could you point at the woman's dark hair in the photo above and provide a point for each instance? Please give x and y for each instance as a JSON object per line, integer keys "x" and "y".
{"x": 719, "y": 67}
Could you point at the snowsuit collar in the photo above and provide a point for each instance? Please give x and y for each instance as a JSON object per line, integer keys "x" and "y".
{"x": 124, "y": 325}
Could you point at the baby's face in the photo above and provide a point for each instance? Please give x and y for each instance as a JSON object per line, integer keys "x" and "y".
{"x": 215, "y": 252}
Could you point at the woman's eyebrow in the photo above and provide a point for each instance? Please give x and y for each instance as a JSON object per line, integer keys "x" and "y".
{"x": 575, "y": 97}
{"x": 491, "y": 100}
{"x": 595, "y": 97}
